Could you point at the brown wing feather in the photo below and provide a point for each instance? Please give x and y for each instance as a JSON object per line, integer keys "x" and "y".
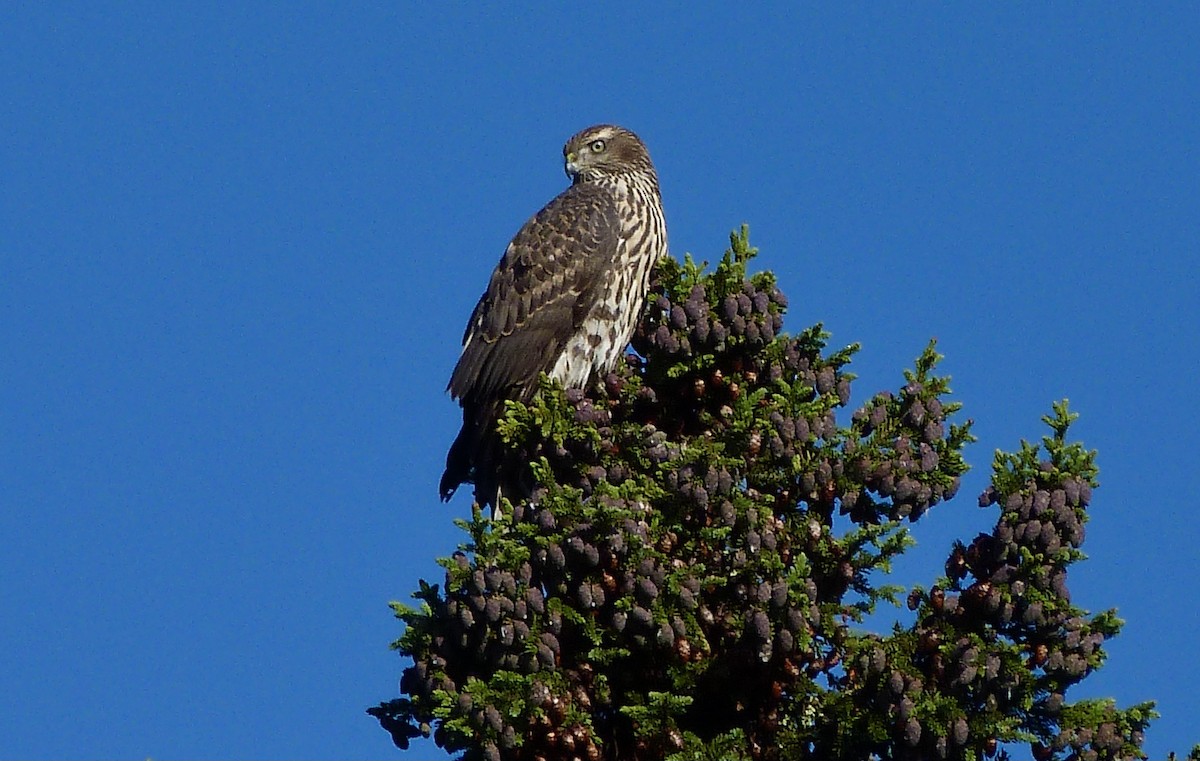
{"x": 537, "y": 297}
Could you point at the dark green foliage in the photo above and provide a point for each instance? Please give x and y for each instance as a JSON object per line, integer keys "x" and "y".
{"x": 997, "y": 643}
{"x": 677, "y": 586}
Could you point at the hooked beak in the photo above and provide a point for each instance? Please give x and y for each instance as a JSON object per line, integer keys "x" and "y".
{"x": 570, "y": 166}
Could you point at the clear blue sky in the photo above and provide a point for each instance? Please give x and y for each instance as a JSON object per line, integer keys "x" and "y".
{"x": 238, "y": 244}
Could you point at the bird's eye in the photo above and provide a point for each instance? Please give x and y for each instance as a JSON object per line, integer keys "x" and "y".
{"x": 597, "y": 146}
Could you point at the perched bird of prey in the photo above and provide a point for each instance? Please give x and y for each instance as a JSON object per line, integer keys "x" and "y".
{"x": 564, "y": 299}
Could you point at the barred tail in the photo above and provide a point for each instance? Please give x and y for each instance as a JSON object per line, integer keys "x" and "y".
{"x": 475, "y": 456}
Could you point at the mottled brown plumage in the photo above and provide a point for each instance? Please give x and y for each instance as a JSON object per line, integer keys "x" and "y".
{"x": 563, "y": 300}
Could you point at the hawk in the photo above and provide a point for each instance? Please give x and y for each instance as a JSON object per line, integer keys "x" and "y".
{"x": 564, "y": 299}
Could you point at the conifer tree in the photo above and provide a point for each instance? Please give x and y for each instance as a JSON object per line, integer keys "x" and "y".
{"x": 690, "y": 576}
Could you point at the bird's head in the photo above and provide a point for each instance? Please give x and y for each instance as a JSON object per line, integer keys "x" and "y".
{"x": 605, "y": 150}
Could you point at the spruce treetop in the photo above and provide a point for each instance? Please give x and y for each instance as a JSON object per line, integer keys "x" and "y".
{"x": 707, "y": 531}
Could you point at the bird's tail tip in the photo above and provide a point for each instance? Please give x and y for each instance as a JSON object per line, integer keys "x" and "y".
{"x": 448, "y": 486}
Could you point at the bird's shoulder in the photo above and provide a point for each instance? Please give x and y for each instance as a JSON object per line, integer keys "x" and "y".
{"x": 540, "y": 289}
{"x": 581, "y": 220}
{"x": 573, "y": 235}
